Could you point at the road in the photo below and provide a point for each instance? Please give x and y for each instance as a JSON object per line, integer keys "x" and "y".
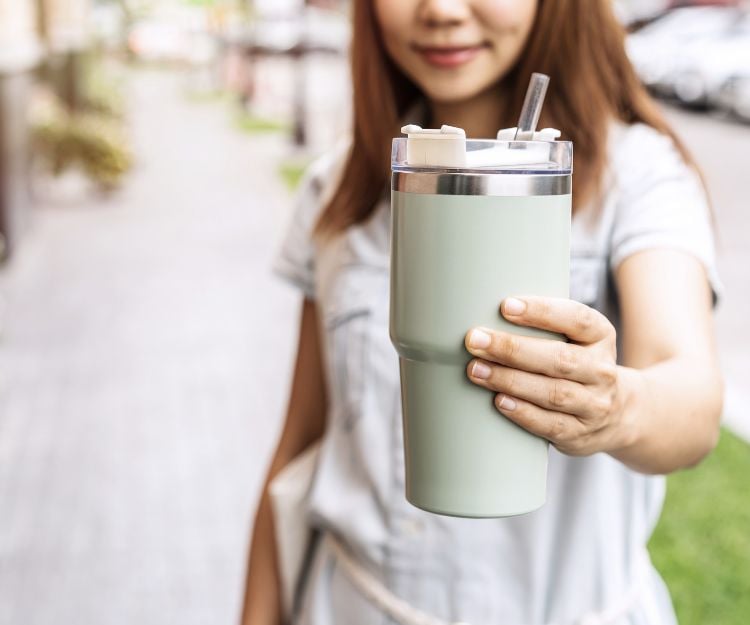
{"x": 721, "y": 149}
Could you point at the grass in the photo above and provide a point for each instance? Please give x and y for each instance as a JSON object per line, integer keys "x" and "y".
{"x": 254, "y": 124}
{"x": 291, "y": 172}
{"x": 701, "y": 545}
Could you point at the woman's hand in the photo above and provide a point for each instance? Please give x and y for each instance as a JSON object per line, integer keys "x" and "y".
{"x": 572, "y": 394}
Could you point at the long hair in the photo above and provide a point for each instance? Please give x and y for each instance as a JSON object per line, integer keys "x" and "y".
{"x": 579, "y": 44}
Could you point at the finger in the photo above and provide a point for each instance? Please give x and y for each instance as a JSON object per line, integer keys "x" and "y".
{"x": 550, "y": 393}
{"x": 564, "y": 431}
{"x": 577, "y": 321}
{"x": 536, "y": 355}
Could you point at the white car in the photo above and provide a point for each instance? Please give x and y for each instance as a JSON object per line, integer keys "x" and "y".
{"x": 656, "y": 50}
{"x": 703, "y": 69}
{"x": 734, "y": 96}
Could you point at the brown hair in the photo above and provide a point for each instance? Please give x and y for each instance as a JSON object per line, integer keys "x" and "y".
{"x": 579, "y": 44}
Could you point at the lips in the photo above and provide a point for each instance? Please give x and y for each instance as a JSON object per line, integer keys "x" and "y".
{"x": 447, "y": 57}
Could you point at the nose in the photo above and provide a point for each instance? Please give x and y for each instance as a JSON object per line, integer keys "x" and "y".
{"x": 436, "y": 13}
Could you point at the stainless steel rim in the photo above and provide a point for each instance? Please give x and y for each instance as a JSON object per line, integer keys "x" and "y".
{"x": 442, "y": 183}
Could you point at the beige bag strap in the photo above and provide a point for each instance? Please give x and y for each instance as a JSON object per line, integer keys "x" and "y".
{"x": 395, "y": 607}
{"x": 405, "y": 614}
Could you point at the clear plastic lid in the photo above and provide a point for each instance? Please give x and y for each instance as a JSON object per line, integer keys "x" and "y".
{"x": 448, "y": 149}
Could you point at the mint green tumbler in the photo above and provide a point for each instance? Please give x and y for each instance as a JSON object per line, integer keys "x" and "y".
{"x": 472, "y": 222}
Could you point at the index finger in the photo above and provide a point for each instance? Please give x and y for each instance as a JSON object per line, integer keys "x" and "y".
{"x": 580, "y": 323}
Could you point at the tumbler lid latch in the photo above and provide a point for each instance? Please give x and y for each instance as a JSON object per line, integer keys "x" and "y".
{"x": 443, "y": 147}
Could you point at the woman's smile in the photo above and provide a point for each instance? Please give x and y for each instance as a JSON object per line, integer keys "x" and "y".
{"x": 448, "y": 57}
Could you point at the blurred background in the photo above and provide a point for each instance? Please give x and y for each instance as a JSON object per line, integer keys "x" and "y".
{"x": 149, "y": 152}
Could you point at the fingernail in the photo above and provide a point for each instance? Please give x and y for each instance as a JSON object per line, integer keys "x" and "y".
{"x": 480, "y": 370}
{"x": 513, "y": 306}
{"x": 479, "y": 339}
{"x": 506, "y": 403}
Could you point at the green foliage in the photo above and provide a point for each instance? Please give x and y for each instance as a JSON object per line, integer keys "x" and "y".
{"x": 291, "y": 173}
{"x": 92, "y": 141}
{"x": 92, "y": 136}
{"x": 253, "y": 124}
{"x": 702, "y": 543}
{"x": 102, "y": 92}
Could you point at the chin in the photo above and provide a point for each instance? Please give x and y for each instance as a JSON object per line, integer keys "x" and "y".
{"x": 449, "y": 92}
{"x": 455, "y": 87}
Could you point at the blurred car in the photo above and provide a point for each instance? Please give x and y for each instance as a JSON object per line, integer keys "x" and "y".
{"x": 734, "y": 95}
{"x": 703, "y": 69}
{"x": 632, "y": 12}
{"x": 656, "y": 50}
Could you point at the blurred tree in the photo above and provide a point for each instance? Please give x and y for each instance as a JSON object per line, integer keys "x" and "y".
{"x": 63, "y": 27}
{"x": 79, "y": 124}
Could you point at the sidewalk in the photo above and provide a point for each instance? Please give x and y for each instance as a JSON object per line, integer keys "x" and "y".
{"x": 720, "y": 147}
{"x": 143, "y": 370}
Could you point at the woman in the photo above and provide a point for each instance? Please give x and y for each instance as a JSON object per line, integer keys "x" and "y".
{"x": 635, "y": 394}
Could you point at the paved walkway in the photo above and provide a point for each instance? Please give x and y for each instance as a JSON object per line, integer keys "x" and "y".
{"x": 143, "y": 374}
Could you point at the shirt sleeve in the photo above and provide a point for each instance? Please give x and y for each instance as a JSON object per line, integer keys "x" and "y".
{"x": 661, "y": 203}
{"x": 294, "y": 260}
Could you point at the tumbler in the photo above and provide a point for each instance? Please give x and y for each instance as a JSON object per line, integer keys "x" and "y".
{"x": 472, "y": 222}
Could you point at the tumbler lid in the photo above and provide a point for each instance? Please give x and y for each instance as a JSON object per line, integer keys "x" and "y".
{"x": 447, "y": 148}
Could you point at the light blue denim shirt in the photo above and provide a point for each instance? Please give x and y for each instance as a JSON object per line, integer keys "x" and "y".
{"x": 580, "y": 551}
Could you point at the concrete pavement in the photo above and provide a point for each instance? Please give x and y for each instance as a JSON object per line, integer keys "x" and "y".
{"x": 143, "y": 366}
